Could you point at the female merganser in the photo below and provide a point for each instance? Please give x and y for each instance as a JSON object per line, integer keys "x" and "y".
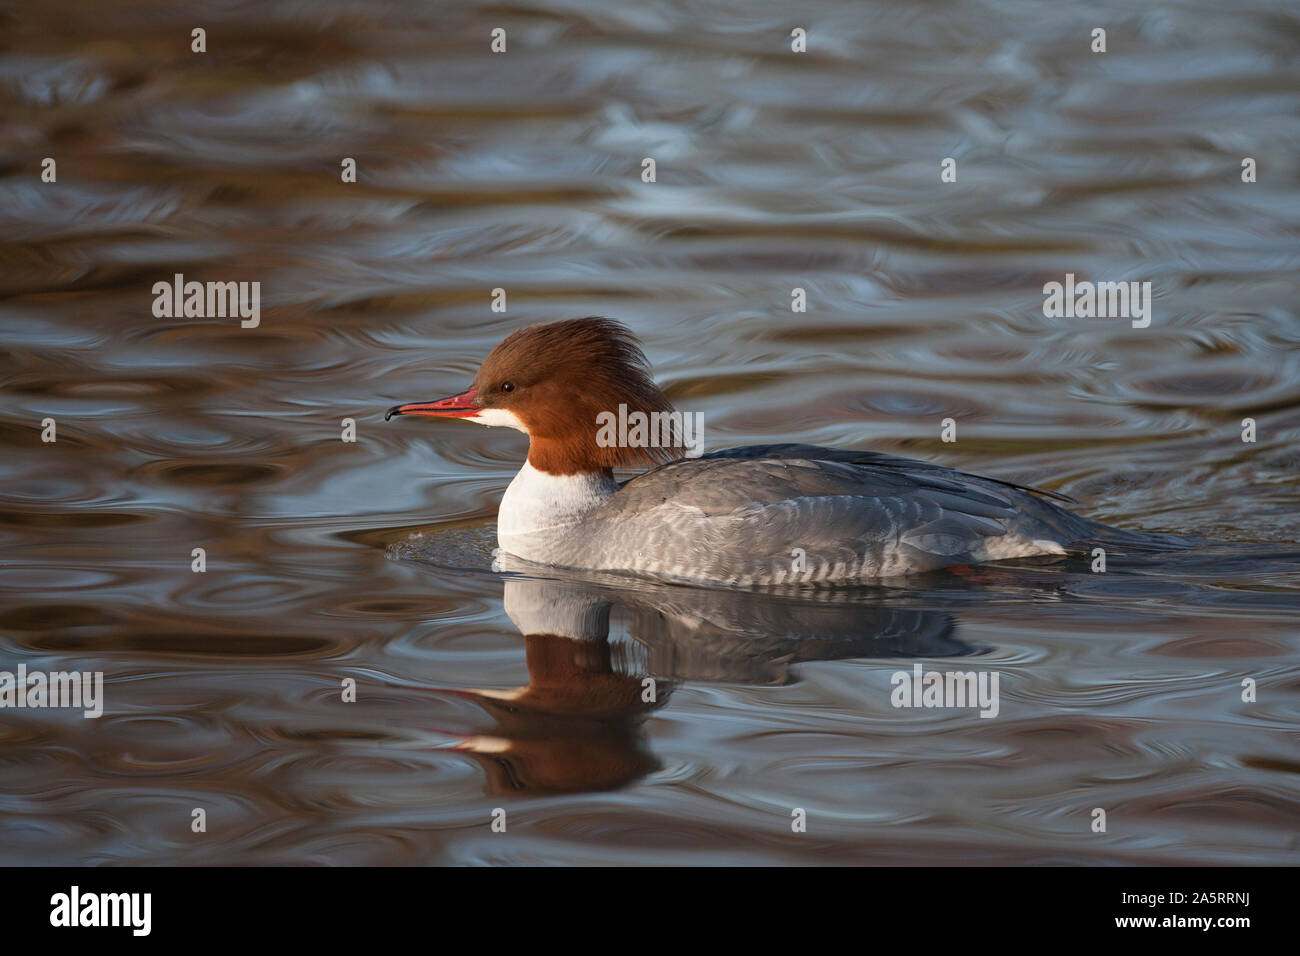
{"x": 759, "y": 515}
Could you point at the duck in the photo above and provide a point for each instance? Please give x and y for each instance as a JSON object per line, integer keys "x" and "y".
{"x": 788, "y": 514}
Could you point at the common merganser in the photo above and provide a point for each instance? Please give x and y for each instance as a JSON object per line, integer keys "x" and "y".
{"x": 785, "y": 514}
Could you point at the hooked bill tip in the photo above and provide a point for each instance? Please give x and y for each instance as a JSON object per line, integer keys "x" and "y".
{"x": 395, "y": 410}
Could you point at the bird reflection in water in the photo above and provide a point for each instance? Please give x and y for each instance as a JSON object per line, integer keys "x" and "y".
{"x": 576, "y": 726}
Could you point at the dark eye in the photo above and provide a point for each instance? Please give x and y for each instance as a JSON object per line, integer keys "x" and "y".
{"x": 507, "y": 386}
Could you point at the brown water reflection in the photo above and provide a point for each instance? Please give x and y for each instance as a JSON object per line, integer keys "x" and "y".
{"x": 521, "y": 171}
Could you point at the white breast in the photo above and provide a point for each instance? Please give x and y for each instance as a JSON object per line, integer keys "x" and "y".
{"x": 539, "y": 509}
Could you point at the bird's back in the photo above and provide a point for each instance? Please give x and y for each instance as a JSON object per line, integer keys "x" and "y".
{"x": 801, "y": 514}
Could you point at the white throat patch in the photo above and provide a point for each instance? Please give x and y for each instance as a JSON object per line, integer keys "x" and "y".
{"x": 498, "y": 418}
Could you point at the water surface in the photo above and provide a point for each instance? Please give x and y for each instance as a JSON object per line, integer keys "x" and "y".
{"x": 522, "y": 171}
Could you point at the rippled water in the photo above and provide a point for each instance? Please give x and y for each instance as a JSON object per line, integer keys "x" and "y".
{"x": 775, "y": 170}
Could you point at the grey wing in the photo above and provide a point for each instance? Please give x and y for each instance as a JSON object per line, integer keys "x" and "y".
{"x": 746, "y": 518}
